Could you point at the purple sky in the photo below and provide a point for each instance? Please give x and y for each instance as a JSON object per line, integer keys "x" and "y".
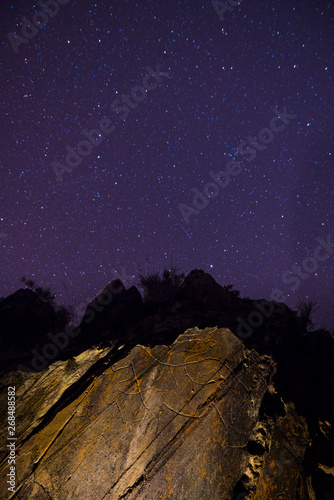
{"x": 218, "y": 81}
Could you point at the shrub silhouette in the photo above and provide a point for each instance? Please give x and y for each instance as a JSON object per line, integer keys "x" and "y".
{"x": 305, "y": 311}
{"x": 161, "y": 289}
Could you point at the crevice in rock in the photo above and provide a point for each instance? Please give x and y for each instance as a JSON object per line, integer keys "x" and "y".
{"x": 240, "y": 491}
{"x": 37, "y": 462}
{"x": 259, "y": 442}
{"x": 137, "y": 483}
{"x": 272, "y": 405}
{"x": 77, "y": 388}
{"x": 44, "y": 489}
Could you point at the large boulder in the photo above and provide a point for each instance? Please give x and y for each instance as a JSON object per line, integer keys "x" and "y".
{"x": 203, "y": 293}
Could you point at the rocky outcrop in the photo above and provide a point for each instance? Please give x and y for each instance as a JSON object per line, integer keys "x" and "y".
{"x": 32, "y": 333}
{"x": 111, "y": 314}
{"x": 119, "y": 314}
{"x": 203, "y": 292}
{"x": 198, "y": 419}
{"x": 210, "y": 396}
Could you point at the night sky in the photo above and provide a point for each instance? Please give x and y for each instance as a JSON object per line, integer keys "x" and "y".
{"x": 181, "y": 90}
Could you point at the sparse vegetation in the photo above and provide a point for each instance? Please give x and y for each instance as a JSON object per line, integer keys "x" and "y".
{"x": 160, "y": 289}
{"x": 234, "y": 294}
{"x": 43, "y": 293}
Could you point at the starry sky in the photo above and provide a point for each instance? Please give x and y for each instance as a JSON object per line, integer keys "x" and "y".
{"x": 181, "y": 89}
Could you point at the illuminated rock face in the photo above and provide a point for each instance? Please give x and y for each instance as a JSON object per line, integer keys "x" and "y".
{"x": 199, "y": 419}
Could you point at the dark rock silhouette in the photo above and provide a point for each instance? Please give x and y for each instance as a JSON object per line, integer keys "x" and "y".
{"x": 203, "y": 293}
{"x": 25, "y": 320}
{"x": 111, "y": 313}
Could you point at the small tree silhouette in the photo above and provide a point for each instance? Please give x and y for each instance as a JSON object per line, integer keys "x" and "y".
{"x": 305, "y": 311}
{"x": 29, "y": 283}
{"x": 64, "y": 316}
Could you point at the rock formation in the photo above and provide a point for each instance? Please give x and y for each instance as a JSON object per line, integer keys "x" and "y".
{"x": 175, "y": 405}
{"x": 24, "y": 321}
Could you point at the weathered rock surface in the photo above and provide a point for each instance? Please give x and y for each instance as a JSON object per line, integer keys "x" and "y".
{"x": 199, "y": 419}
